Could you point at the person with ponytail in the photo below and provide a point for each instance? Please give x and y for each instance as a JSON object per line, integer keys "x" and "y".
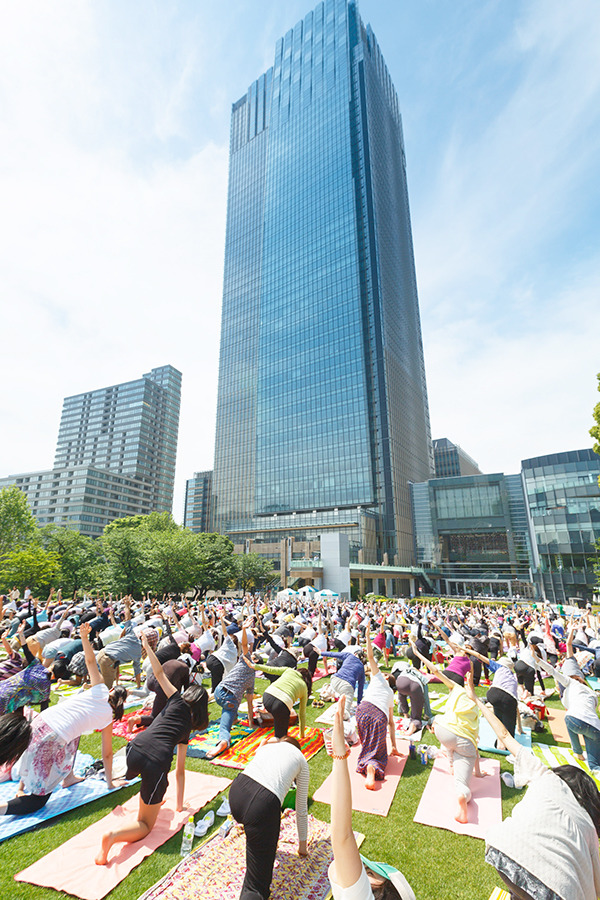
{"x": 55, "y": 734}
{"x": 548, "y": 846}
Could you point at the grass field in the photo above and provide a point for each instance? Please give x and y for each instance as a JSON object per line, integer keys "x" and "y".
{"x": 438, "y": 864}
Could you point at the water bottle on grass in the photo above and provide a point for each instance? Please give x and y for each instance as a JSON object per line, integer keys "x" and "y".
{"x": 188, "y": 837}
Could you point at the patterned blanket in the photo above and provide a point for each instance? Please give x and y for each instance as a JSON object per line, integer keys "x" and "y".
{"x": 238, "y": 756}
{"x": 553, "y": 756}
{"x": 201, "y": 744}
{"x": 215, "y": 871}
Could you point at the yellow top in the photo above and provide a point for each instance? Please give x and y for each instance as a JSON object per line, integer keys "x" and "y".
{"x": 461, "y": 715}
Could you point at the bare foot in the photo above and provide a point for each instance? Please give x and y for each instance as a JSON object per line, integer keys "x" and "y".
{"x": 370, "y": 782}
{"x": 222, "y": 745}
{"x": 461, "y": 815}
{"x": 133, "y": 722}
{"x": 72, "y": 779}
{"x": 105, "y": 846}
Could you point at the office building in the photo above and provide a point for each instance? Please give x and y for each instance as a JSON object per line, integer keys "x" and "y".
{"x": 564, "y": 503}
{"x": 322, "y": 414}
{"x": 128, "y": 429}
{"x": 84, "y": 498}
{"x": 472, "y": 535}
{"x": 450, "y": 460}
{"x": 198, "y": 490}
{"x": 115, "y": 455}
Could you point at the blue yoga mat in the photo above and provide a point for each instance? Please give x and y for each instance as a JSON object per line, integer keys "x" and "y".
{"x": 61, "y": 801}
{"x": 487, "y": 738}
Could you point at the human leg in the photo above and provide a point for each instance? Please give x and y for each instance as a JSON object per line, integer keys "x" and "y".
{"x": 25, "y": 804}
{"x": 259, "y": 811}
{"x": 128, "y": 834}
{"x": 215, "y": 667}
{"x": 280, "y": 712}
{"x": 574, "y": 730}
{"x": 505, "y": 708}
{"x": 344, "y": 688}
{"x": 371, "y": 724}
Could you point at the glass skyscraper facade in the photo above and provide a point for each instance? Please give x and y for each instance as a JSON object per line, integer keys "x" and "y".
{"x": 564, "y": 502}
{"x": 451, "y": 460}
{"x": 322, "y": 415}
{"x": 196, "y": 515}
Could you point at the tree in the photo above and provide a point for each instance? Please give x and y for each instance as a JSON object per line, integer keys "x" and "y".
{"x": 30, "y": 566}
{"x": 17, "y": 525}
{"x": 79, "y": 556}
{"x": 595, "y": 430}
{"x": 214, "y": 564}
{"x": 125, "y": 568}
{"x": 251, "y": 569}
{"x": 170, "y": 557}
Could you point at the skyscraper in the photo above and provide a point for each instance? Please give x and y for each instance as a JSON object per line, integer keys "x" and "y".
{"x": 115, "y": 455}
{"x": 196, "y": 515}
{"x": 130, "y": 429}
{"x": 451, "y": 460}
{"x": 322, "y": 415}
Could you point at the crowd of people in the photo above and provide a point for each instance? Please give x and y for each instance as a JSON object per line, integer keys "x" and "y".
{"x": 187, "y": 653}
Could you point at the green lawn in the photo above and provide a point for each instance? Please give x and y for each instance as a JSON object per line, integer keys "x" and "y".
{"x": 438, "y": 864}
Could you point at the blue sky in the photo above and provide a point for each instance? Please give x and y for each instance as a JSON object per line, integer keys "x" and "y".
{"x": 113, "y": 173}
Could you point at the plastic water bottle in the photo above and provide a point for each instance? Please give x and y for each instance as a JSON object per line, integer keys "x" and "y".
{"x": 188, "y": 837}
{"x": 412, "y": 751}
{"x": 226, "y": 826}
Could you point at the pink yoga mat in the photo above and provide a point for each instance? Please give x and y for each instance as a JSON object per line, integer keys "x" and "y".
{"x": 71, "y": 866}
{"x": 556, "y": 723}
{"x": 378, "y": 801}
{"x": 438, "y": 802}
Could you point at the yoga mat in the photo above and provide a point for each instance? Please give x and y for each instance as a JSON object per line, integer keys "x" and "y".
{"x": 560, "y": 756}
{"x": 328, "y": 715}
{"x": 593, "y": 682}
{"x": 556, "y": 723}
{"x": 215, "y": 871}
{"x": 487, "y": 737}
{"x": 201, "y": 744}
{"x": 377, "y": 802}
{"x": 61, "y": 801}
{"x": 71, "y": 866}
{"x": 239, "y": 756}
{"x": 402, "y": 726}
{"x": 323, "y": 673}
{"x": 438, "y": 802}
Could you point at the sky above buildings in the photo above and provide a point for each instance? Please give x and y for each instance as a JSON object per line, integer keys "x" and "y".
{"x": 113, "y": 178}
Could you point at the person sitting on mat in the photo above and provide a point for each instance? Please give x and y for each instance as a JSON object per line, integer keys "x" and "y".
{"x": 347, "y": 874}
{"x": 548, "y": 846}
{"x": 150, "y": 755}
{"x": 55, "y": 735}
{"x": 255, "y": 799}
{"x": 374, "y": 717}
{"x": 457, "y": 730}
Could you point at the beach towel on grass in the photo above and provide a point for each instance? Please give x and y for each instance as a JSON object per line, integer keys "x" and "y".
{"x": 560, "y": 756}
{"x": 215, "y": 871}
{"x": 207, "y": 742}
{"x": 438, "y": 802}
{"x": 61, "y": 801}
{"x": 71, "y": 867}
{"x": 239, "y": 756}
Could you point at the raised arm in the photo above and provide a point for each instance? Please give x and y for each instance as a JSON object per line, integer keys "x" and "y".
{"x": 90, "y": 656}
{"x": 500, "y": 730}
{"x": 370, "y": 654}
{"x": 346, "y": 858}
{"x": 157, "y": 669}
{"x": 431, "y": 666}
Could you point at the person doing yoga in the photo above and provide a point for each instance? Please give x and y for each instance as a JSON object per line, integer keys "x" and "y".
{"x": 150, "y": 755}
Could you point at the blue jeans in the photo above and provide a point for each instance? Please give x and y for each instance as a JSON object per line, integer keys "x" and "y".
{"x": 229, "y": 705}
{"x": 577, "y": 728}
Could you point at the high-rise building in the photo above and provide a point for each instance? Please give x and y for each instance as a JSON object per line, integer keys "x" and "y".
{"x": 451, "y": 460}
{"x": 129, "y": 429}
{"x": 115, "y": 455}
{"x": 322, "y": 416}
{"x": 196, "y": 515}
{"x": 564, "y": 502}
